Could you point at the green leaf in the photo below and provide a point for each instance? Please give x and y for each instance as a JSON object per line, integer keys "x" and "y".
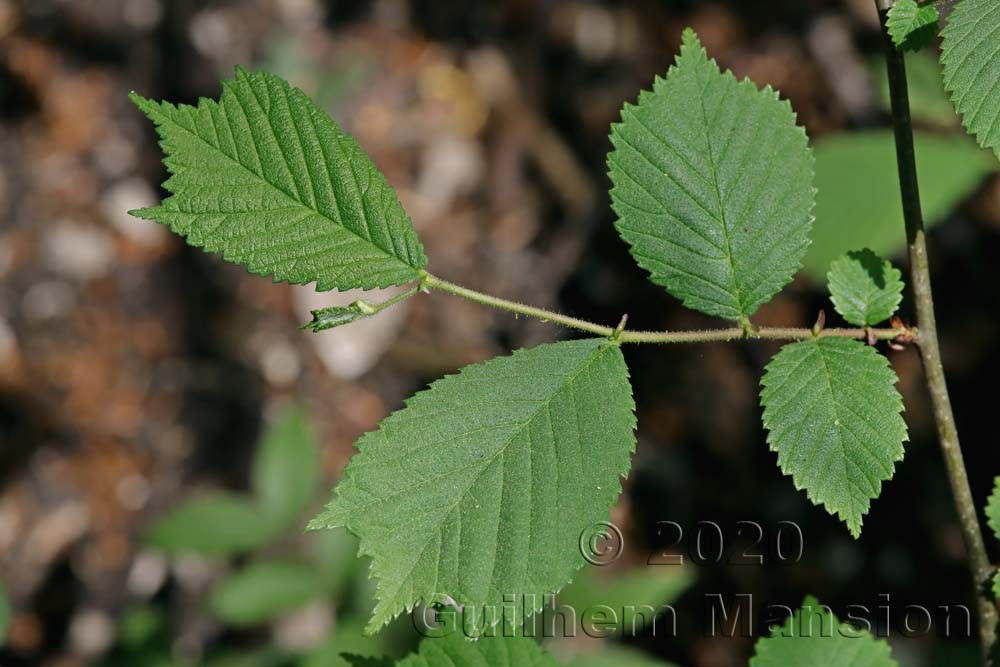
{"x": 929, "y": 102}
{"x": 455, "y": 649}
{"x": 865, "y": 289}
{"x": 286, "y": 470}
{"x": 268, "y": 179}
{"x": 262, "y": 591}
{"x": 263, "y": 657}
{"x": 712, "y": 186}
{"x": 346, "y": 637}
{"x": 972, "y": 68}
{"x": 484, "y": 483}
{"x": 646, "y": 586}
{"x": 618, "y": 656}
{"x": 833, "y": 413}
{"x": 996, "y": 586}
{"x": 4, "y": 616}
{"x": 993, "y": 509}
{"x": 138, "y": 626}
{"x": 215, "y": 524}
{"x": 813, "y": 637}
{"x": 911, "y": 26}
{"x": 858, "y": 204}
{"x": 333, "y": 555}
{"x": 355, "y": 660}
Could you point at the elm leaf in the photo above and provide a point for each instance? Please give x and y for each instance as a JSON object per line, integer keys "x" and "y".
{"x": 972, "y": 68}
{"x": 814, "y": 637}
{"x": 454, "y": 650}
{"x": 911, "y": 26}
{"x": 482, "y": 485}
{"x": 865, "y": 289}
{"x": 266, "y": 178}
{"x": 993, "y": 509}
{"x": 713, "y": 186}
{"x": 833, "y": 415}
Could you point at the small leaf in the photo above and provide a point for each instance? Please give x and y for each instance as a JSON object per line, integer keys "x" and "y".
{"x": 865, "y": 289}
{"x": 483, "y": 484}
{"x": 455, "y": 649}
{"x": 712, "y": 186}
{"x": 263, "y": 591}
{"x": 858, "y": 203}
{"x": 286, "y": 469}
{"x": 616, "y": 655}
{"x": 268, "y": 179}
{"x": 993, "y": 509}
{"x": 813, "y": 637}
{"x": 4, "y": 616}
{"x": 345, "y": 645}
{"x": 911, "y": 26}
{"x": 833, "y": 413}
{"x": 354, "y": 660}
{"x": 214, "y": 524}
{"x": 263, "y": 657}
{"x": 972, "y": 68}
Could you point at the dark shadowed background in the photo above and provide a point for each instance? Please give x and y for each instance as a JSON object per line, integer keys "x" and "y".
{"x": 137, "y": 373}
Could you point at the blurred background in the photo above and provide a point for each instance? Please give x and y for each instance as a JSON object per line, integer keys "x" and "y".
{"x": 166, "y": 429}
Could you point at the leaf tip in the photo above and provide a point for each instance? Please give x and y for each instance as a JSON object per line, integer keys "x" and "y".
{"x": 146, "y": 213}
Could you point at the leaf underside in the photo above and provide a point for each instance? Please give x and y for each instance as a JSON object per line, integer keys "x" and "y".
{"x": 814, "y": 637}
{"x": 833, "y": 415}
{"x": 969, "y": 53}
{"x": 712, "y": 186}
{"x": 864, "y": 288}
{"x": 911, "y": 26}
{"x": 483, "y": 484}
{"x": 266, "y": 178}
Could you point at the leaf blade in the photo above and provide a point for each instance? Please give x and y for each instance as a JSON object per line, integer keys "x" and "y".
{"x": 687, "y": 196}
{"x": 911, "y": 26}
{"x": 858, "y": 203}
{"x": 262, "y": 591}
{"x": 993, "y": 509}
{"x": 214, "y": 523}
{"x": 286, "y": 469}
{"x": 972, "y": 69}
{"x": 267, "y": 179}
{"x": 4, "y": 616}
{"x": 864, "y": 288}
{"x": 455, "y": 649}
{"x": 450, "y": 474}
{"x": 833, "y": 415}
{"x": 800, "y": 642}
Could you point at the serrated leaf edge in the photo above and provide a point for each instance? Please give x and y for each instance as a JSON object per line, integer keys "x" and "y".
{"x": 690, "y": 39}
{"x": 855, "y": 529}
{"x": 152, "y": 108}
{"x": 332, "y": 517}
